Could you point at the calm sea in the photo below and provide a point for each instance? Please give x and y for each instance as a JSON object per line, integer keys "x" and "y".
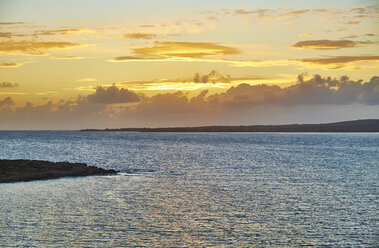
{"x": 195, "y": 190}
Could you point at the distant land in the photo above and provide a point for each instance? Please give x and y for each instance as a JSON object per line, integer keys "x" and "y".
{"x": 29, "y": 170}
{"x": 368, "y": 125}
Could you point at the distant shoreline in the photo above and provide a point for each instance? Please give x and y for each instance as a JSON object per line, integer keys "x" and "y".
{"x": 368, "y": 125}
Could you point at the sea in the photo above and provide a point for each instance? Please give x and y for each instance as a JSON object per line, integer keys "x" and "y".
{"x": 195, "y": 190}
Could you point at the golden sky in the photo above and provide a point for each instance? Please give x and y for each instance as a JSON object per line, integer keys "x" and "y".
{"x": 77, "y": 64}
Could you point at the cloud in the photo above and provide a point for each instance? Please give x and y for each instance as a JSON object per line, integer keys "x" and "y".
{"x": 68, "y": 57}
{"x": 353, "y": 22}
{"x": 248, "y": 102}
{"x": 139, "y": 36}
{"x": 180, "y": 51}
{"x": 112, "y": 95}
{"x": 64, "y": 31}
{"x": 10, "y": 64}
{"x": 6, "y": 102}
{"x": 323, "y": 63}
{"x": 8, "y": 85}
{"x": 347, "y": 63}
{"x": 318, "y": 99}
{"x": 350, "y": 37}
{"x": 11, "y": 23}
{"x": 136, "y": 58}
{"x": 339, "y": 60}
{"x": 5, "y": 35}
{"x": 87, "y": 80}
{"x": 212, "y": 77}
{"x": 168, "y": 103}
{"x": 185, "y": 49}
{"x": 31, "y": 46}
{"x": 198, "y": 81}
{"x": 271, "y": 14}
{"x": 317, "y": 90}
{"x": 324, "y": 44}
{"x": 307, "y": 34}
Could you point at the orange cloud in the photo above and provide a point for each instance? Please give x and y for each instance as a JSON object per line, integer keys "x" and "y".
{"x": 185, "y": 49}
{"x": 269, "y": 14}
{"x": 5, "y": 35}
{"x": 139, "y": 36}
{"x": 339, "y": 59}
{"x": 31, "y": 46}
{"x": 64, "y": 31}
{"x": 324, "y": 44}
{"x": 68, "y": 57}
{"x": 341, "y": 62}
{"x": 11, "y": 23}
{"x": 10, "y": 64}
{"x": 147, "y": 26}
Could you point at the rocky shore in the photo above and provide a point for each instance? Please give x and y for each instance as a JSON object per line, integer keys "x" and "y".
{"x": 29, "y": 170}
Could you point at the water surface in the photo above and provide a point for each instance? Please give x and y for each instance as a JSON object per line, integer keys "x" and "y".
{"x": 195, "y": 190}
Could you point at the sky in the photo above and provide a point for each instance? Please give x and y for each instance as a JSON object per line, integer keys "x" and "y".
{"x": 107, "y": 64}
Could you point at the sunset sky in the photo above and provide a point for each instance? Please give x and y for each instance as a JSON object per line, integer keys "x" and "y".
{"x": 95, "y": 64}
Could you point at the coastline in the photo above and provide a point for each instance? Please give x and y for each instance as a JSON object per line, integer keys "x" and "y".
{"x": 29, "y": 170}
{"x": 368, "y": 125}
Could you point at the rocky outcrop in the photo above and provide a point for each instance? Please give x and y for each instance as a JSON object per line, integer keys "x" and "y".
{"x": 29, "y": 170}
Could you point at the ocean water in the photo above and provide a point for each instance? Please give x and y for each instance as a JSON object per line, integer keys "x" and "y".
{"x": 195, "y": 190}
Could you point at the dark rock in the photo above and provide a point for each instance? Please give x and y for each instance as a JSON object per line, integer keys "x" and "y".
{"x": 28, "y": 170}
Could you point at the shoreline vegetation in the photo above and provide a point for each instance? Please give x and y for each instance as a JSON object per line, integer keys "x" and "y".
{"x": 368, "y": 125}
{"x": 30, "y": 170}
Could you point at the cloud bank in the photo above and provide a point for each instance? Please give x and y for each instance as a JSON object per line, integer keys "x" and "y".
{"x": 318, "y": 99}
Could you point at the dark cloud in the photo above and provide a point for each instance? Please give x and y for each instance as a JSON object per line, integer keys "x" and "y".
{"x": 8, "y": 85}
{"x": 168, "y": 103}
{"x": 112, "y": 95}
{"x": 6, "y": 102}
{"x": 212, "y": 77}
{"x": 370, "y": 92}
{"x": 317, "y": 90}
{"x": 325, "y": 44}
